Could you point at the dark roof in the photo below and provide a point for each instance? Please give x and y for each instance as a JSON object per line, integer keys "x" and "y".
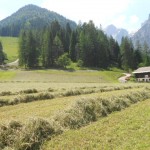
{"x": 142, "y": 70}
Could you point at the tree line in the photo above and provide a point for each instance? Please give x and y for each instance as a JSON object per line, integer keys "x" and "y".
{"x": 87, "y": 45}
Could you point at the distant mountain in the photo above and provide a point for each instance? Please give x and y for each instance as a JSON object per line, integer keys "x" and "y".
{"x": 116, "y": 33}
{"x": 143, "y": 34}
{"x": 31, "y": 17}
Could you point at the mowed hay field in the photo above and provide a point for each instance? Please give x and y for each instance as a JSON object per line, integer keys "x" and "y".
{"x": 125, "y": 130}
{"x": 57, "y": 109}
{"x": 10, "y": 47}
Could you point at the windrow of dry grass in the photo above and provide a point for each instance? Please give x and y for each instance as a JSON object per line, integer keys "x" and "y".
{"x": 125, "y": 130}
{"x": 30, "y": 95}
{"x": 31, "y": 135}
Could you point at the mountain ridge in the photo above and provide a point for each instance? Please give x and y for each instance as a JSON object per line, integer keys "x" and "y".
{"x": 143, "y": 34}
{"x": 116, "y": 33}
{"x": 31, "y": 16}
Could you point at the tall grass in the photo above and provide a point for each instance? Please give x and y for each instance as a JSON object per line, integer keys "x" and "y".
{"x": 30, "y": 136}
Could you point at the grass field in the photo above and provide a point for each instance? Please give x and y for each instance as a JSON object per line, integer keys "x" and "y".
{"x": 38, "y": 105}
{"x": 10, "y": 47}
{"x": 62, "y": 76}
{"x": 47, "y": 108}
{"x": 129, "y": 129}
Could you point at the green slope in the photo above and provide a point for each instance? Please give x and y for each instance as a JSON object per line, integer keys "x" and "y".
{"x": 10, "y": 47}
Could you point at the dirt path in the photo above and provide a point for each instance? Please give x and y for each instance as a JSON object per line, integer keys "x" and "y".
{"x": 124, "y": 78}
{"x": 15, "y": 63}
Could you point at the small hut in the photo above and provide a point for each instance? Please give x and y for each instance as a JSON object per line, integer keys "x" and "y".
{"x": 142, "y": 74}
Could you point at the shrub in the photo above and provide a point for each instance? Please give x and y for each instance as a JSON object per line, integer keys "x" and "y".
{"x": 63, "y": 60}
{"x": 80, "y": 63}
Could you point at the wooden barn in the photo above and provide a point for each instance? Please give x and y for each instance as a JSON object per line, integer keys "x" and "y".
{"x": 142, "y": 74}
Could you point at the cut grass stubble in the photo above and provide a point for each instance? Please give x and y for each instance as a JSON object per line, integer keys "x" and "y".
{"x": 81, "y": 113}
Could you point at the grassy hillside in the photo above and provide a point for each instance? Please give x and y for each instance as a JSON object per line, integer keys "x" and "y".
{"x": 129, "y": 129}
{"x": 10, "y": 47}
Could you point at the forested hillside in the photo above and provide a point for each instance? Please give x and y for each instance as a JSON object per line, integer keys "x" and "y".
{"x": 31, "y": 17}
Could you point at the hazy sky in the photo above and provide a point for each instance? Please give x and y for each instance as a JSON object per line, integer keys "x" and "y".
{"x": 127, "y": 14}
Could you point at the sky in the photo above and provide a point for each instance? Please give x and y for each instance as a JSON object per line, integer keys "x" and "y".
{"x": 128, "y": 14}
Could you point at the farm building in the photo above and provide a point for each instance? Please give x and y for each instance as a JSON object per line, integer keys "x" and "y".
{"x": 142, "y": 74}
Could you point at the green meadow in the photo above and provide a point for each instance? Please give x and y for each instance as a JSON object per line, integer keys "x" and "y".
{"x": 10, "y": 47}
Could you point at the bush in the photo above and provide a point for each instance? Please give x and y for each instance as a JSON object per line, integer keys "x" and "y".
{"x": 80, "y": 63}
{"x": 63, "y": 61}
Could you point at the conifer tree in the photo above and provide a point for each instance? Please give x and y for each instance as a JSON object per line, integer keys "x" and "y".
{"x": 72, "y": 48}
{"x": 47, "y": 58}
{"x": 22, "y": 49}
{"x": 3, "y": 56}
{"x": 127, "y": 52}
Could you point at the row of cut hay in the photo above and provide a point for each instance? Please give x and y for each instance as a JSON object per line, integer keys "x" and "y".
{"x": 100, "y": 89}
{"x": 85, "y": 111}
{"x": 83, "y": 90}
{"x": 47, "y": 95}
{"x": 31, "y": 135}
{"x": 28, "y": 136}
{"x": 27, "y": 91}
{"x": 26, "y": 98}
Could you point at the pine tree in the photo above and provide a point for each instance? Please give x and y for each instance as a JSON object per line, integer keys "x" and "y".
{"x": 127, "y": 51}
{"x": 32, "y": 53}
{"x": 103, "y": 50}
{"x": 47, "y": 58}
{"x": 57, "y": 49}
{"x": 22, "y": 49}
{"x": 138, "y": 55}
{"x": 114, "y": 51}
{"x": 28, "y": 54}
{"x": 72, "y": 48}
{"x": 146, "y": 55}
{"x": 3, "y": 56}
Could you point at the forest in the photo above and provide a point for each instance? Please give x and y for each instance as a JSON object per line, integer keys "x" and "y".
{"x": 88, "y": 46}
